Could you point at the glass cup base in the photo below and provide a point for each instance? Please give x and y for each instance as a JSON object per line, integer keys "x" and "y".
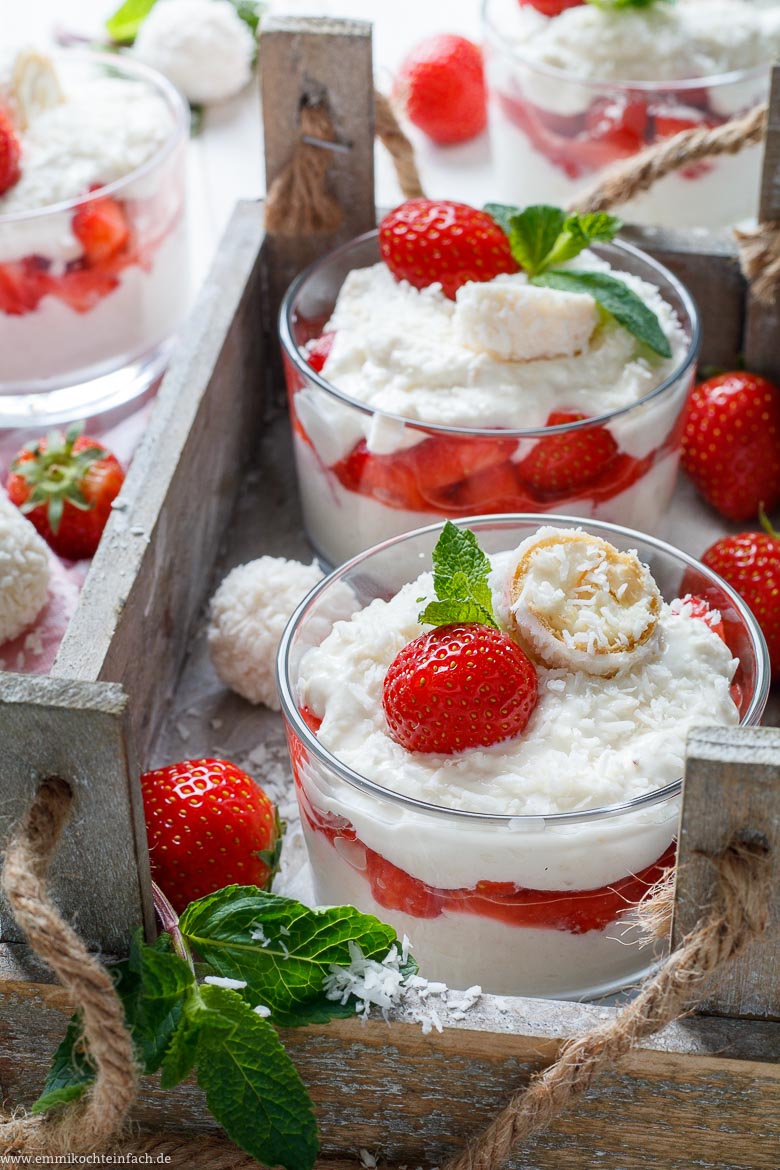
{"x": 85, "y": 399}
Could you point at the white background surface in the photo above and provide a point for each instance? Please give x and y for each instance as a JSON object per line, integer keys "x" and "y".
{"x": 226, "y": 159}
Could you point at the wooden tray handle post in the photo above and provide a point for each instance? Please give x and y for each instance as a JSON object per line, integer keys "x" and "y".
{"x": 762, "y": 319}
{"x": 318, "y": 91}
{"x": 732, "y": 793}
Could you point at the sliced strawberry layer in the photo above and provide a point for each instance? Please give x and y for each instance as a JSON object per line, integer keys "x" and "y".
{"x": 103, "y": 230}
{"x": 613, "y": 128}
{"x": 575, "y": 911}
{"x": 728, "y": 630}
{"x": 318, "y": 349}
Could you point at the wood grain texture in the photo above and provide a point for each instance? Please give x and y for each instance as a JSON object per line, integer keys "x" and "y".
{"x": 708, "y": 265}
{"x": 79, "y": 732}
{"x": 152, "y": 571}
{"x": 732, "y": 781}
{"x": 318, "y": 60}
{"x": 762, "y": 322}
{"x": 698, "y": 1094}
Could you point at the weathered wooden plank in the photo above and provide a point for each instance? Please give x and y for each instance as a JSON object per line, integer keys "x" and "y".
{"x": 762, "y": 323}
{"x": 732, "y": 787}
{"x": 707, "y": 264}
{"x": 706, "y": 1091}
{"x": 152, "y": 571}
{"x": 318, "y": 60}
{"x": 79, "y": 732}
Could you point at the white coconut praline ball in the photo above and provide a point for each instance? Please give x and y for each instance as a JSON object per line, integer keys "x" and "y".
{"x": 248, "y": 614}
{"x": 24, "y": 572}
{"x": 202, "y": 46}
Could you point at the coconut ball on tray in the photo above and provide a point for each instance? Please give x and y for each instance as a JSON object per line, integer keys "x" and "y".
{"x": 247, "y": 617}
{"x": 24, "y": 571}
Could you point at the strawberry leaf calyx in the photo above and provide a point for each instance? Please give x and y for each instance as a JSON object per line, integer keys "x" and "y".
{"x": 55, "y": 473}
{"x": 460, "y": 580}
{"x": 271, "y": 858}
{"x": 766, "y": 524}
{"x": 541, "y": 235}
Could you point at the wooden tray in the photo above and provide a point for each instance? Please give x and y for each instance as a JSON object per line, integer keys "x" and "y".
{"x": 132, "y": 683}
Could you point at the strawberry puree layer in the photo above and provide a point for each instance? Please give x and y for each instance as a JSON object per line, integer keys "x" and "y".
{"x": 463, "y": 948}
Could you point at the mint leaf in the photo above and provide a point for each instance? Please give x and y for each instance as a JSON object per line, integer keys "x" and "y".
{"x": 228, "y": 930}
{"x": 182, "y": 1052}
{"x": 71, "y": 1072}
{"x": 123, "y": 26}
{"x": 532, "y": 233}
{"x": 460, "y": 580}
{"x": 251, "y": 1085}
{"x": 250, "y": 12}
{"x": 624, "y": 305}
{"x": 579, "y": 232}
{"x": 541, "y": 235}
{"x": 153, "y": 1005}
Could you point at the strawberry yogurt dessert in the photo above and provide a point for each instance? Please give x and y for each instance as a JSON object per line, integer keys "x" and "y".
{"x": 576, "y": 86}
{"x": 463, "y": 361}
{"x": 487, "y": 726}
{"x": 93, "y": 249}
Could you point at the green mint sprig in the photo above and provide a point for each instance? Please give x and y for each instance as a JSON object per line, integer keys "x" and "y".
{"x": 279, "y": 953}
{"x": 460, "y": 580}
{"x": 124, "y": 24}
{"x": 609, "y": 5}
{"x": 542, "y": 237}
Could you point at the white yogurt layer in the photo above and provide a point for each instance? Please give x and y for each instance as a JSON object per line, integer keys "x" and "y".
{"x": 402, "y": 351}
{"x": 590, "y": 742}
{"x": 663, "y": 42}
{"x": 106, "y": 128}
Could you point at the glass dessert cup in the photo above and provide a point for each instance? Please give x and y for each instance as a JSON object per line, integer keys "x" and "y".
{"x": 365, "y": 475}
{"x": 523, "y": 905}
{"x": 553, "y": 134}
{"x": 79, "y": 337}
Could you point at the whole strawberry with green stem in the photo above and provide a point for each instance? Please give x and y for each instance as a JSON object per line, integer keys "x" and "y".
{"x": 465, "y": 683}
{"x": 750, "y": 564}
{"x": 65, "y": 485}
{"x": 209, "y": 826}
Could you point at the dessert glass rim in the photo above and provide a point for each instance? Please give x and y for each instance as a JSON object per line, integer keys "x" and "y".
{"x": 531, "y": 820}
{"x": 295, "y": 353}
{"x": 140, "y": 72}
{"x": 710, "y": 80}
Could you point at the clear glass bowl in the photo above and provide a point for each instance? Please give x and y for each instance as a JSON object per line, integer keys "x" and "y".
{"x": 532, "y": 905}
{"x": 365, "y": 475}
{"x": 553, "y": 133}
{"x": 79, "y": 336}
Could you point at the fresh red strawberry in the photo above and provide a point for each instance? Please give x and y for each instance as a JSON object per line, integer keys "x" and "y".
{"x": 616, "y": 128}
{"x": 317, "y": 351}
{"x": 731, "y": 443}
{"x": 456, "y": 687}
{"x": 23, "y": 284}
{"x": 443, "y": 461}
{"x": 671, "y": 120}
{"x": 750, "y": 563}
{"x": 428, "y": 240}
{"x": 441, "y": 86}
{"x": 65, "y": 484}
{"x": 495, "y": 489}
{"x": 551, "y": 7}
{"x": 83, "y": 288}
{"x": 10, "y": 154}
{"x": 208, "y": 825}
{"x": 101, "y": 227}
{"x": 566, "y": 462}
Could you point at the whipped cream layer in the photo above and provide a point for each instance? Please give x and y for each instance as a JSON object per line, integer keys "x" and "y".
{"x": 401, "y": 350}
{"x": 590, "y": 742}
{"x": 663, "y": 42}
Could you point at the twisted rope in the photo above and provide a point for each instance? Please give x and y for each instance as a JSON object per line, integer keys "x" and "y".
{"x": 87, "y": 1126}
{"x": 298, "y": 201}
{"x": 739, "y": 913}
{"x": 623, "y": 181}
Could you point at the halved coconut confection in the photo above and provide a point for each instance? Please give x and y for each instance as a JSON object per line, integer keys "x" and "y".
{"x": 578, "y": 602}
